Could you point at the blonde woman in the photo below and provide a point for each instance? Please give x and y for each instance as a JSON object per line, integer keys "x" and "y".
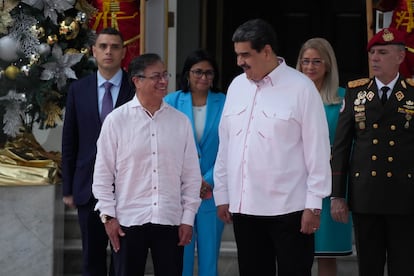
{"x": 317, "y": 61}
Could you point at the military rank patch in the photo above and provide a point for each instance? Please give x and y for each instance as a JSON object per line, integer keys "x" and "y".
{"x": 359, "y": 82}
{"x": 410, "y": 81}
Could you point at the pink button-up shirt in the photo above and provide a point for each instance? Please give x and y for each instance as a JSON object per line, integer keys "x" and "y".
{"x": 274, "y": 152}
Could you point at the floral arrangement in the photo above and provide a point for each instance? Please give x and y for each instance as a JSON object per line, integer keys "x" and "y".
{"x": 44, "y": 45}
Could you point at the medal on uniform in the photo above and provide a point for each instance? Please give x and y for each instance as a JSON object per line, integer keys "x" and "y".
{"x": 370, "y": 95}
{"x": 359, "y": 108}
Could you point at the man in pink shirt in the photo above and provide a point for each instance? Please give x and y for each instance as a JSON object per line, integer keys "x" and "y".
{"x": 272, "y": 170}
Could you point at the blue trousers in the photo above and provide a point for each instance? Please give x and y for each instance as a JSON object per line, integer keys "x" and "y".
{"x": 207, "y": 232}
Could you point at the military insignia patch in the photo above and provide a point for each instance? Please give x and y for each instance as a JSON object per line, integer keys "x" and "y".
{"x": 370, "y": 95}
{"x": 410, "y": 81}
{"x": 359, "y": 82}
{"x": 399, "y": 95}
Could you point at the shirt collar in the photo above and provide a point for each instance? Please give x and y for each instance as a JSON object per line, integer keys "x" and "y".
{"x": 115, "y": 80}
{"x": 391, "y": 84}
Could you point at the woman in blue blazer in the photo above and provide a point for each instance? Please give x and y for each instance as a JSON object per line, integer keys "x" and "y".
{"x": 202, "y": 102}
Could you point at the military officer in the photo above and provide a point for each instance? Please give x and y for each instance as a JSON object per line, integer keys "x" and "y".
{"x": 373, "y": 161}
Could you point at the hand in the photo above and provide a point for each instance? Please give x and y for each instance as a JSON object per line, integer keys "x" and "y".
{"x": 68, "y": 201}
{"x": 206, "y": 191}
{"x": 310, "y": 222}
{"x": 339, "y": 210}
{"x": 185, "y": 233}
{"x": 114, "y": 231}
{"x": 224, "y": 214}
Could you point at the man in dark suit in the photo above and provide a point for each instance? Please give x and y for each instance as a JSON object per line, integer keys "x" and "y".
{"x": 373, "y": 154}
{"x": 82, "y": 125}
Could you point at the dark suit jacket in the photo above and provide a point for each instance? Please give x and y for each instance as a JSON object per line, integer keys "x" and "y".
{"x": 81, "y": 129}
{"x": 374, "y": 149}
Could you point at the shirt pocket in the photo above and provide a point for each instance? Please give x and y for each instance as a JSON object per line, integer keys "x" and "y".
{"x": 235, "y": 119}
{"x": 274, "y": 123}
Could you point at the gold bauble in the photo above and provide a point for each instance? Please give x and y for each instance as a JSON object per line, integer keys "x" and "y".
{"x": 52, "y": 39}
{"x": 69, "y": 28}
{"x": 11, "y": 72}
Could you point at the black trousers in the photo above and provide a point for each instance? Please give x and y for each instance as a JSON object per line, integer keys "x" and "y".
{"x": 162, "y": 241}
{"x": 94, "y": 241}
{"x": 264, "y": 242}
{"x": 384, "y": 239}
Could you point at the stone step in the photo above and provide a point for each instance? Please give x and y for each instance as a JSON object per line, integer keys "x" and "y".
{"x": 228, "y": 266}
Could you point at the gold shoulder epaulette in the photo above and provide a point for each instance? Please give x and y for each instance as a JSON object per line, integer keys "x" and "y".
{"x": 410, "y": 81}
{"x": 358, "y": 82}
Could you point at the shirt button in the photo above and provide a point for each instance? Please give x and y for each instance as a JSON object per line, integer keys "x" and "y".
{"x": 389, "y": 174}
{"x": 375, "y": 141}
{"x": 392, "y": 143}
{"x": 374, "y": 173}
{"x": 374, "y": 157}
{"x": 153, "y": 152}
{"x": 154, "y": 170}
{"x": 155, "y": 203}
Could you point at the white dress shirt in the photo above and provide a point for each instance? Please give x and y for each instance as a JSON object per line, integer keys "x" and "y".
{"x": 274, "y": 147}
{"x": 153, "y": 163}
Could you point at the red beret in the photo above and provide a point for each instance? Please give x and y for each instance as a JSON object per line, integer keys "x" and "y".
{"x": 387, "y": 36}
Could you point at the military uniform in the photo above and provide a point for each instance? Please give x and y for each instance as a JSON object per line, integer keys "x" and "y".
{"x": 373, "y": 154}
{"x": 379, "y": 142}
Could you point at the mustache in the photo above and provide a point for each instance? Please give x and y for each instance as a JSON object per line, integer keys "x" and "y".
{"x": 244, "y": 66}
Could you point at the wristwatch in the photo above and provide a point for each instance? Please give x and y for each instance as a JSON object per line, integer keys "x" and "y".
{"x": 316, "y": 212}
{"x": 105, "y": 218}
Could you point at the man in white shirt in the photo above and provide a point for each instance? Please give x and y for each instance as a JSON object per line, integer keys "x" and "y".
{"x": 147, "y": 178}
{"x": 272, "y": 169}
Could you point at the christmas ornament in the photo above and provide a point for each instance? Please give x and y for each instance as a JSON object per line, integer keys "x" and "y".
{"x": 51, "y": 8}
{"x": 60, "y": 70}
{"x": 71, "y": 51}
{"x": 25, "y": 69}
{"x": 86, "y": 51}
{"x": 69, "y": 28}
{"x": 34, "y": 58}
{"x": 38, "y": 31}
{"x": 52, "y": 39}
{"x": 43, "y": 49}
{"x": 8, "y": 47}
{"x": 11, "y": 72}
{"x": 5, "y": 21}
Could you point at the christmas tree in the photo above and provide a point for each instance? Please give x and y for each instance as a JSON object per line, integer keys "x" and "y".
{"x": 44, "y": 46}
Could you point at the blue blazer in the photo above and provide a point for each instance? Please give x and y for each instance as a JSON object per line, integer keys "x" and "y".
{"x": 208, "y": 146}
{"x": 81, "y": 129}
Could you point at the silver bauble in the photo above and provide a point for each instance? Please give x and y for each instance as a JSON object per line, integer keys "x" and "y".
{"x": 8, "y": 48}
{"x": 44, "y": 49}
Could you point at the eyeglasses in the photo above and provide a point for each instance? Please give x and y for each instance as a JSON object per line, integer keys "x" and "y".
{"x": 315, "y": 62}
{"x": 156, "y": 77}
{"x": 199, "y": 74}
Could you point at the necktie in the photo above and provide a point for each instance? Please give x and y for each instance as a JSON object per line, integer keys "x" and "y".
{"x": 107, "y": 104}
{"x": 384, "y": 97}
